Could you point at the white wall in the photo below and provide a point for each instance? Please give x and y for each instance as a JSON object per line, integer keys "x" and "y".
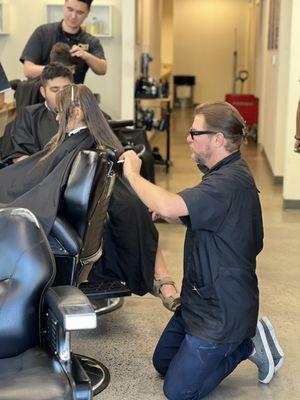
{"x": 291, "y": 183}
{"x": 279, "y": 95}
{"x": 167, "y": 43}
{"x": 273, "y": 104}
{"x": 204, "y": 42}
{"x": 26, "y": 15}
{"x": 128, "y": 59}
{"x": 149, "y": 38}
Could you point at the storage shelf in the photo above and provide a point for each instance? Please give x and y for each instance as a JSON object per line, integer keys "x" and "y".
{"x": 98, "y": 23}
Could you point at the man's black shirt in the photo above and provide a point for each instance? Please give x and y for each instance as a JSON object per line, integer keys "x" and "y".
{"x": 224, "y": 235}
{"x": 39, "y": 45}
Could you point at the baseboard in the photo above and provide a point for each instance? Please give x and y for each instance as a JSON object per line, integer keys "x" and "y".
{"x": 291, "y": 204}
{"x": 277, "y": 179}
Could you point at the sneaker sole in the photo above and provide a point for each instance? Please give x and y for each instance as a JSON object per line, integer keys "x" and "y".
{"x": 268, "y": 353}
{"x": 275, "y": 340}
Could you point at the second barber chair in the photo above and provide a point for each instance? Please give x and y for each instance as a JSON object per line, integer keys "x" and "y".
{"x": 36, "y": 320}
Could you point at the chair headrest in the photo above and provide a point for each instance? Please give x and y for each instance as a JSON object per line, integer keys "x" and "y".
{"x": 14, "y": 222}
{"x": 27, "y": 268}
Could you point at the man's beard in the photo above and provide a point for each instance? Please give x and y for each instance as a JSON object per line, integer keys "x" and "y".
{"x": 201, "y": 159}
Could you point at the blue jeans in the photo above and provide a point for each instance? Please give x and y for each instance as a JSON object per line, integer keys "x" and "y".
{"x": 193, "y": 367}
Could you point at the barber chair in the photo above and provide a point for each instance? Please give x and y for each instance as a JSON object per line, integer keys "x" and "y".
{"x": 27, "y": 92}
{"x": 36, "y": 361}
{"x": 76, "y": 236}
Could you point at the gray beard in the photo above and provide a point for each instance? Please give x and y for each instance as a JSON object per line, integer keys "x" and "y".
{"x": 202, "y": 167}
{"x": 197, "y": 159}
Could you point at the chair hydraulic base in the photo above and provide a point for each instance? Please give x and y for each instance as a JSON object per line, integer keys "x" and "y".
{"x": 96, "y": 371}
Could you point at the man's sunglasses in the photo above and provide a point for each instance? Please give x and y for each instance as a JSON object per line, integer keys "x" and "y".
{"x": 194, "y": 132}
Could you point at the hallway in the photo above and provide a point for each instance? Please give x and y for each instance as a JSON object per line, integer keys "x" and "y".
{"x": 125, "y": 339}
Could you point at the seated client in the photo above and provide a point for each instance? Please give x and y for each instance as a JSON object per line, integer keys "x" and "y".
{"x": 131, "y": 241}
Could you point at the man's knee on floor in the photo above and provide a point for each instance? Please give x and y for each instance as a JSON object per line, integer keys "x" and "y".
{"x": 175, "y": 391}
{"x": 159, "y": 364}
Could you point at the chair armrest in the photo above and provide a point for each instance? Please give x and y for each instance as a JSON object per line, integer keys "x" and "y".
{"x": 71, "y": 308}
{"x": 120, "y": 124}
{"x": 66, "y": 235}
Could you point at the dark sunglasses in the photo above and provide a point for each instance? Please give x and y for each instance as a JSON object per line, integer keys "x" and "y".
{"x": 194, "y": 132}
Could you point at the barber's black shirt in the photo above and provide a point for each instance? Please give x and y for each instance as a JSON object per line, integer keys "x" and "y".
{"x": 224, "y": 235}
{"x": 39, "y": 45}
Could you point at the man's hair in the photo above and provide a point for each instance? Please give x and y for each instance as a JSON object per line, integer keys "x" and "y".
{"x": 60, "y": 52}
{"x": 55, "y": 70}
{"x": 223, "y": 117}
{"x": 88, "y": 2}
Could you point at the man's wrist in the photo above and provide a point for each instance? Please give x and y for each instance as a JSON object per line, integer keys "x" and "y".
{"x": 132, "y": 176}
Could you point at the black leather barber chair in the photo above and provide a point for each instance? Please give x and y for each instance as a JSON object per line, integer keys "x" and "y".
{"x": 76, "y": 236}
{"x": 36, "y": 362}
{"x": 27, "y": 92}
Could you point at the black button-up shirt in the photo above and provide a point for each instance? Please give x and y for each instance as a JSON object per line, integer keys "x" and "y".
{"x": 224, "y": 235}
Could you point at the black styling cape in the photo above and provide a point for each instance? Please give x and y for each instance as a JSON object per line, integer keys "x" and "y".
{"x": 130, "y": 239}
{"x": 129, "y": 242}
{"x": 37, "y": 185}
{"x": 32, "y": 129}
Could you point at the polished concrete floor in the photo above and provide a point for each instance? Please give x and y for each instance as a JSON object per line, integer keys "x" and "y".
{"x": 125, "y": 339}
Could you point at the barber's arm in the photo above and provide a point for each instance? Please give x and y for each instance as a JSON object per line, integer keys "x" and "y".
{"x": 166, "y": 204}
{"x": 31, "y": 56}
{"x": 32, "y": 70}
{"x": 97, "y": 65}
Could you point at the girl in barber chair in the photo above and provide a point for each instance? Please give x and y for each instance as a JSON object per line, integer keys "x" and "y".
{"x": 130, "y": 242}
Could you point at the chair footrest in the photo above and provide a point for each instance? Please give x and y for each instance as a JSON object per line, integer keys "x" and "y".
{"x": 104, "y": 289}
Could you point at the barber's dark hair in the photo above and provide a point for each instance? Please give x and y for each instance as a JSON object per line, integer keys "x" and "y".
{"x": 221, "y": 116}
{"x": 72, "y": 96}
{"x": 55, "y": 70}
{"x": 88, "y": 2}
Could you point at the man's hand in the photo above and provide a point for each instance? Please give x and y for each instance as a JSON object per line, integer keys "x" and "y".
{"x": 132, "y": 163}
{"x": 297, "y": 145}
{"x": 98, "y": 65}
{"x": 77, "y": 51}
{"x": 156, "y": 216}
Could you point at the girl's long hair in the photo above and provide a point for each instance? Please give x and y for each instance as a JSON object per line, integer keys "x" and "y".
{"x": 72, "y": 96}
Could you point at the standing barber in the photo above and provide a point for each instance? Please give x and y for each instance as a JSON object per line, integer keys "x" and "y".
{"x": 85, "y": 48}
{"x": 216, "y": 328}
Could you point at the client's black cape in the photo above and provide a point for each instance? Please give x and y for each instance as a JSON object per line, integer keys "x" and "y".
{"x": 130, "y": 240}
{"x": 36, "y": 184}
{"x": 29, "y": 133}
